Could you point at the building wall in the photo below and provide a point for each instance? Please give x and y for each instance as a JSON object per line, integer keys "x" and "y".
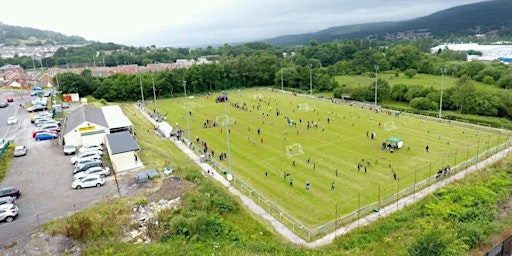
{"x": 124, "y": 162}
{"x": 86, "y": 134}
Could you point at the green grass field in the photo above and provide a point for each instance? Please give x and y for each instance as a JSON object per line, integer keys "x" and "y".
{"x": 419, "y": 79}
{"x": 339, "y": 144}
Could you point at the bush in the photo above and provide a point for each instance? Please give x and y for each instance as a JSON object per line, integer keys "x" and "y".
{"x": 423, "y": 103}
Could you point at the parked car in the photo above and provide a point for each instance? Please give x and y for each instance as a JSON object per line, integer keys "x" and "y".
{"x": 10, "y": 191}
{"x": 84, "y": 167}
{"x": 4, "y": 104}
{"x": 34, "y": 133}
{"x": 10, "y": 99}
{"x": 7, "y": 200}
{"x": 65, "y": 105}
{"x": 88, "y": 181}
{"x": 102, "y": 171}
{"x": 86, "y": 154}
{"x": 12, "y": 120}
{"x": 69, "y": 149}
{"x": 84, "y": 160}
{"x": 8, "y": 212}
{"x": 20, "y": 151}
{"x": 45, "y": 136}
{"x": 36, "y": 108}
{"x": 50, "y": 126}
{"x": 90, "y": 147}
{"x": 42, "y": 122}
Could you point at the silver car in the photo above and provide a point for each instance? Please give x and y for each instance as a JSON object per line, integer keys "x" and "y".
{"x": 20, "y": 151}
{"x": 8, "y": 212}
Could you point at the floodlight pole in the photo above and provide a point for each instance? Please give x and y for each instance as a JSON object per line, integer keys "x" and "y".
{"x": 225, "y": 95}
{"x": 282, "y": 84}
{"x": 376, "y": 81}
{"x": 141, "y": 91}
{"x": 154, "y": 94}
{"x": 188, "y": 113}
{"x": 443, "y": 71}
{"x": 310, "y": 81}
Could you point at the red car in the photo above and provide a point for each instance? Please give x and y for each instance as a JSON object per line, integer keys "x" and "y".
{"x": 10, "y": 99}
{"x": 34, "y": 133}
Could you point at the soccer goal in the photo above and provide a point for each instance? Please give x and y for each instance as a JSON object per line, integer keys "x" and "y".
{"x": 294, "y": 149}
{"x": 191, "y": 105}
{"x": 304, "y": 107}
{"x": 390, "y": 125}
{"x": 223, "y": 120}
{"x": 258, "y": 96}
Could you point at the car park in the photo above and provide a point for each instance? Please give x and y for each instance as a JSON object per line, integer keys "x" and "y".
{"x": 12, "y": 120}
{"x": 88, "y": 181}
{"x": 84, "y": 167}
{"x": 10, "y": 191}
{"x": 102, "y": 171}
{"x": 8, "y": 212}
{"x": 69, "y": 149}
{"x": 4, "y": 104}
{"x": 86, "y": 154}
{"x": 45, "y": 136}
{"x": 20, "y": 151}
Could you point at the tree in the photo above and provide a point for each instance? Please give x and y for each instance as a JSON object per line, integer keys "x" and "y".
{"x": 410, "y": 72}
{"x": 505, "y": 81}
{"x": 463, "y": 91}
{"x": 398, "y": 92}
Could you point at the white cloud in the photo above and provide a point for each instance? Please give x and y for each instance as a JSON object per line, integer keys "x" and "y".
{"x": 191, "y": 22}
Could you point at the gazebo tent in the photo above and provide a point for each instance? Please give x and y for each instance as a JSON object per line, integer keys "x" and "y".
{"x": 395, "y": 142}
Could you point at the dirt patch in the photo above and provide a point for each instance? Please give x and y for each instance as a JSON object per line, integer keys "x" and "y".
{"x": 170, "y": 188}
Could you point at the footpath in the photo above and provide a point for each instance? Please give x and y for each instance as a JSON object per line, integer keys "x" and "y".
{"x": 329, "y": 238}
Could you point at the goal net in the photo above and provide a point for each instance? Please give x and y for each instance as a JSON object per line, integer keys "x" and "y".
{"x": 389, "y": 126}
{"x": 258, "y": 96}
{"x": 294, "y": 149}
{"x": 303, "y": 106}
{"x": 223, "y": 120}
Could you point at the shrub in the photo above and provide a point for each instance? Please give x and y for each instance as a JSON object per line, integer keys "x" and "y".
{"x": 423, "y": 103}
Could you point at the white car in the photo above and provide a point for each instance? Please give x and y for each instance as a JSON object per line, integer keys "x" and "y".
{"x": 90, "y": 148}
{"x": 98, "y": 170}
{"x": 86, "y": 154}
{"x": 84, "y": 160}
{"x": 8, "y": 212}
{"x": 12, "y": 120}
{"x": 69, "y": 149}
{"x": 89, "y": 181}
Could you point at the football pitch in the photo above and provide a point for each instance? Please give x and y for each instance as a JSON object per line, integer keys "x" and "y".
{"x": 280, "y": 142}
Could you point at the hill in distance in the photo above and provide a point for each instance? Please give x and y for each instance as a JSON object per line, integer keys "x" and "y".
{"x": 489, "y": 17}
{"x": 16, "y": 35}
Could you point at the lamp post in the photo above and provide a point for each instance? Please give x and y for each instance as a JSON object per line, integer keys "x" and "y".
{"x": 282, "y": 83}
{"x": 310, "y": 81}
{"x": 376, "y": 80}
{"x": 225, "y": 95}
{"x": 188, "y": 113}
{"x": 443, "y": 71}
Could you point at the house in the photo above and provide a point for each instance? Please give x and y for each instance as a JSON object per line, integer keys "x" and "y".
{"x": 122, "y": 150}
{"x": 40, "y": 79}
{"x": 85, "y": 126}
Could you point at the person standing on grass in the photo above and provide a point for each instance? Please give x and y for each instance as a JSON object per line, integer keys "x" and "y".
{"x": 426, "y": 148}
{"x": 394, "y": 175}
{"x": 332, "y": 185}
{"x": 307, "y": 185}
{"x": 293, "y": 163}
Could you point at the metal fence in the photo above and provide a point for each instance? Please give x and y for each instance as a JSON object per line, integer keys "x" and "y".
{"x": 502, "y": 249}
{"x": 311, "y": 233}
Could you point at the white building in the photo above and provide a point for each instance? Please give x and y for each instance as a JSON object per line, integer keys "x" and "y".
{"x": 489, "y": 52}
{"x": 122, "y": 150}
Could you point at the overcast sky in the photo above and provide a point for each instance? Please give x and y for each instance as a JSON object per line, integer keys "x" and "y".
{"x": 203, "y": 22}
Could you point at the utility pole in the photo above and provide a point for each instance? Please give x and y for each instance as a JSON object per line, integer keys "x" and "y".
{"x": 310, "y": 80}
{"x": 376, "y": 81}
{"x": 443, "y": 71}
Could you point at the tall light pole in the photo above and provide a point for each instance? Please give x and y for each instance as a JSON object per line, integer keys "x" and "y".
{"x": 310, "y": 81}
{"x": 376, "y": 81}
{"x": 225, "y": 95}
{"x": 282, "y": 83}
{"x": 188, "y": 113}
{"x": 443, "y": 71}
{"x": 154, "y": 94}
{"x": 141, "y": 91}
